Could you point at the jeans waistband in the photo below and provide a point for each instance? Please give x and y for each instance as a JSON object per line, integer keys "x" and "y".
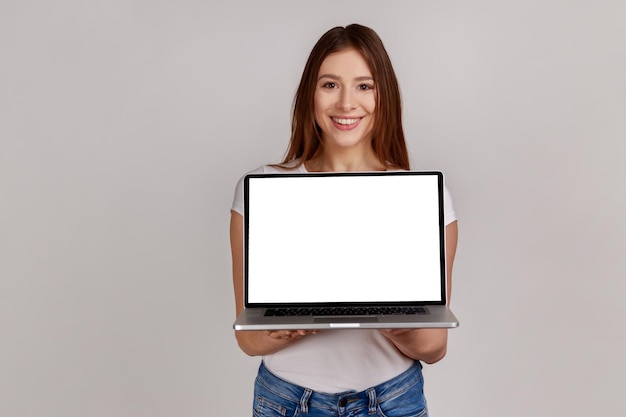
{"x": 366, "y": 398}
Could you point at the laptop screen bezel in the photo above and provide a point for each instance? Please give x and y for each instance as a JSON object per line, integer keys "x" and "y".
{"x": 441, "y": 226}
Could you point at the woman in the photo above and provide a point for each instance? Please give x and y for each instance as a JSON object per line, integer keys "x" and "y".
{"x": 347, "y": 117}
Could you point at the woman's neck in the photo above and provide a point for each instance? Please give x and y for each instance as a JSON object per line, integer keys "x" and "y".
{"x": 353, "y": 160}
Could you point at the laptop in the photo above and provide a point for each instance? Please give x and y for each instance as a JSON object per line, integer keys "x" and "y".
{"x": 344, "y": 250}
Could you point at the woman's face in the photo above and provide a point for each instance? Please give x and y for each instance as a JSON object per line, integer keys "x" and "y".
{"x": 345, "y": 99}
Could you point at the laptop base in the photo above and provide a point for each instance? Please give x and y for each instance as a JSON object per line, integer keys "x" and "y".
{"x": 437, "y": 317}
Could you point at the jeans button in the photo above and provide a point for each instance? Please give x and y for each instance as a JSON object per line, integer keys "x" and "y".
{"x": 343, "y": 402}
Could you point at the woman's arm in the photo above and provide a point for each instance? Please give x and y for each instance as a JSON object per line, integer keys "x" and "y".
{"x": 428, "y": 345}
{"x": 254, "y": 343}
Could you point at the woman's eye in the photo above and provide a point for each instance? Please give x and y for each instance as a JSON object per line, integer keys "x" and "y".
{"x": 330, "y": 85}
{"x": 365, "y": 87}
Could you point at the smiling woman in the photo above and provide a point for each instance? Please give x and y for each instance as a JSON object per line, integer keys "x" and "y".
{"x": 346, "y": 117}
{"x": 345, "y": 101}
{"x": 356, "y": 54}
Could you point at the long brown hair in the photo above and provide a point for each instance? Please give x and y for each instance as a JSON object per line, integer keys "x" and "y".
{"x": 387, "y": 135}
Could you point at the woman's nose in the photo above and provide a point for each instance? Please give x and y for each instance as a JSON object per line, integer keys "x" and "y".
{"x": 346, "y": 100}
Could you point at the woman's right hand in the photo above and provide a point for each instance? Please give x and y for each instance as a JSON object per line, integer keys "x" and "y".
{"x": 260, "y": 343}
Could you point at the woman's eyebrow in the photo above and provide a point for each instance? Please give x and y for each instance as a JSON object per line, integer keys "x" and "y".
{"x": 336, "y": 77}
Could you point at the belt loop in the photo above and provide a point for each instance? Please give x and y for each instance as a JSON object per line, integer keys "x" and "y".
{"x": 304, "y": 401}
{"x": 371, "y": 393}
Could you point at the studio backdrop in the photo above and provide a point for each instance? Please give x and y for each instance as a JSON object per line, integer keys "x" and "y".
{"x": 125, "y": 125}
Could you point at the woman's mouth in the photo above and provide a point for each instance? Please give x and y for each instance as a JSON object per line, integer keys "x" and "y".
{"x": 345, "y": 123}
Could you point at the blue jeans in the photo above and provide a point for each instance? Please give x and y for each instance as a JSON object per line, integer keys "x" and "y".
{"x": 402, "y": 396}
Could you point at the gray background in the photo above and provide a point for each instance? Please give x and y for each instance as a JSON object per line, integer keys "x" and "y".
{"x": 125, "y": 124}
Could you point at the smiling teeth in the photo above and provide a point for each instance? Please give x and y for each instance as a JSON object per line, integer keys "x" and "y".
{"x": 345, "y": 121}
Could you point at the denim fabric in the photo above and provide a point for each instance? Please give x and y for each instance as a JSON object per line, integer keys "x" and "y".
{"x": 402, "y": 396}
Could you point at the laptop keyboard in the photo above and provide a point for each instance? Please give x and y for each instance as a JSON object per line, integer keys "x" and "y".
{"x": 345, "y": 311}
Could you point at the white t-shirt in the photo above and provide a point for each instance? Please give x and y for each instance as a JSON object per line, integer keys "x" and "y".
{"x": 334, "y": 361}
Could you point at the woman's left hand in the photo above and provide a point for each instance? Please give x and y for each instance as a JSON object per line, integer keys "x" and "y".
{"x": 428, "y": 345}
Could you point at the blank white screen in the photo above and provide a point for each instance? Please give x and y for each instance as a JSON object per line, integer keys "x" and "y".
{"x": 343, "y": 239}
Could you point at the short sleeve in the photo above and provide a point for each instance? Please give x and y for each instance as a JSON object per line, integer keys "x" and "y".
{"x": 449, "y": 214}
{"x": 238, "y": 197}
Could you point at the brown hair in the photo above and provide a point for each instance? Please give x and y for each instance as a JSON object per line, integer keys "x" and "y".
{"x": 387, "y": 135}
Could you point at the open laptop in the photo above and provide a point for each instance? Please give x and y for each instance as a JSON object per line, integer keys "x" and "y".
{"x": 344, "y": 250}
